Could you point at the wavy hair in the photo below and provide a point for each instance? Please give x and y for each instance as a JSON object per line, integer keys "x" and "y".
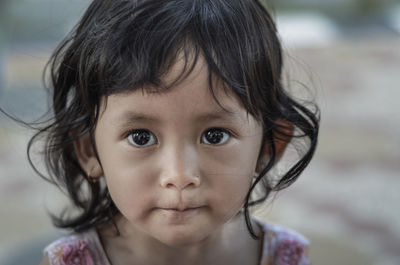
{"x": 123, "y": 45}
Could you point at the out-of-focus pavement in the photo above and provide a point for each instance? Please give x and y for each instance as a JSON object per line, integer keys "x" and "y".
{"x": 346, "y": 202}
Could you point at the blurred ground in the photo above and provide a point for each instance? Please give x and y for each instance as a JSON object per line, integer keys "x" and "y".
{"x": 346, "y": 202}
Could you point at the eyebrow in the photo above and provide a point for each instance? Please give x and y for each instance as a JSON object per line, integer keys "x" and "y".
{"x": 130, "y": 117}
{"x": 219, "y": 115}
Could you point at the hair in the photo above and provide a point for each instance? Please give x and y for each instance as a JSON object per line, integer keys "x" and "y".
{"x": 123, "y": 45}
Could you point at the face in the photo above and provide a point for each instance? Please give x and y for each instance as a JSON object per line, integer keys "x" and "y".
{"x": 177, "y": 165}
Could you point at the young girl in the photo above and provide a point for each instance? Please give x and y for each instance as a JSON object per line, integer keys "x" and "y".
{"x": 168, "y": 115}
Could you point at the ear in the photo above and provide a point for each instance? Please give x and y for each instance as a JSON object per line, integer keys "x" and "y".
{"x": 86, "y": 156}
{"x": 281, "y": 141}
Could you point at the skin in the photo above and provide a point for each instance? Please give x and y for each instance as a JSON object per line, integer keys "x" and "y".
{"x": 179, "y": 196}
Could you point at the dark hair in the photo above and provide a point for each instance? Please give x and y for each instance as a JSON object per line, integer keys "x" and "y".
{"x": 122, "y": 45}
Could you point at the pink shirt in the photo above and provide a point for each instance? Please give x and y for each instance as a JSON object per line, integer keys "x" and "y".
{"x": 281, "y": 247}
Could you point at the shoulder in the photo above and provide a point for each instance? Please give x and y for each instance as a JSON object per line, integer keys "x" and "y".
{"x": 79, "y": 248}
{"x": 283, "y": 246}
{"x": 45, "y": 260}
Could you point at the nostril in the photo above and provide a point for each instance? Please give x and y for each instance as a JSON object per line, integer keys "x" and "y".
{"x": 169, "y": 185}
{"x": 180, "y": 182}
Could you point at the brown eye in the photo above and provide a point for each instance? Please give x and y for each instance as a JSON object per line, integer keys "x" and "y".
{"x": 215, "y": 136}
{"x": 142, "y": 138}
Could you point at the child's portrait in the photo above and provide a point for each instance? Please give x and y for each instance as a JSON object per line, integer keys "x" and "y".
{"x": 185, "y": 132}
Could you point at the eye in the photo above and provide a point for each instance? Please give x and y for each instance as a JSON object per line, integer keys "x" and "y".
{"x": 142, "y": 138}
{"x": 215, "y": 136}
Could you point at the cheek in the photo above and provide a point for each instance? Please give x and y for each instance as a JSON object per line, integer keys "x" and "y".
{"x": 130, "y": 185}
{"x": 233, "y": 190}
{"x": 228, "y": 196}
{"x": 238, "y": 160}
{"x": 230, "y": 172}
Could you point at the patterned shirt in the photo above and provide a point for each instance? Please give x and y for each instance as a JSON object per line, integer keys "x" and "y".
{"x": 281, "y": 246}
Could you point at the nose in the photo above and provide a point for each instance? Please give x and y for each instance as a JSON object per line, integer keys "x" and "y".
{"x": 179, "y": 168}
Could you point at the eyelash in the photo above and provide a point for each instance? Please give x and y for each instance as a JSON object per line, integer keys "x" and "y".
{"x": 224, "y": 131}
{"x": 225, "y": 137}
{"x": 151, "y": 137}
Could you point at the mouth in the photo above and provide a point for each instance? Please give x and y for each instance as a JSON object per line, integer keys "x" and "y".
{"x": 180, "y": 214}
{"x": 181, "y": 210}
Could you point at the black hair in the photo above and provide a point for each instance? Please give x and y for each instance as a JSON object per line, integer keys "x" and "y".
{"x": 123, "y": 45}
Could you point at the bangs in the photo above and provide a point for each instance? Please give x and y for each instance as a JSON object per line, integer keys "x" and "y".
{"x": 132, "y": 44}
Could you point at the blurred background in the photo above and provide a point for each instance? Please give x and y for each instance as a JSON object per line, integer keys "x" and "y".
{"x": 346, "y": 202}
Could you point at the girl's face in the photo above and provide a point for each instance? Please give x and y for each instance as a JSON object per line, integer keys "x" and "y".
{"x": 177, "y": 165}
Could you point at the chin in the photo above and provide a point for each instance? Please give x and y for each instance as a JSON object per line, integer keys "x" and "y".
{"x": 181, "y": 237}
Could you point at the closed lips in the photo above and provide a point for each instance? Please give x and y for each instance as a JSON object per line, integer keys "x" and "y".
{"x": 177, "y": 209}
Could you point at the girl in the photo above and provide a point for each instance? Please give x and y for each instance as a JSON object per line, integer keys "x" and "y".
{"x": 167, "y": 116}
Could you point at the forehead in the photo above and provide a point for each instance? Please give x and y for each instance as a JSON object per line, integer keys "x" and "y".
{"x": 188, "y": 96}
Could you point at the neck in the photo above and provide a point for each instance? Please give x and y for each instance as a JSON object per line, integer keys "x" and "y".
{"x": 136, "y": 247}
